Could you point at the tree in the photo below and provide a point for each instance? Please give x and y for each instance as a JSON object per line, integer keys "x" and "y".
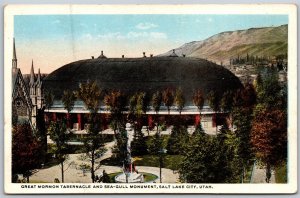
{"x": 41, "y": 132}
{"x": 60, "y": 135}
{"x": 244, "y": 102}
{"x": 179, "y": 99}
{"x": 168, "y": 98}
{"x": 214, "y": 103}
{"x": 204, "y": 161}
{"x": 138, "y": 144}
{"x": 119, "y": 151}
{"x": 137, "y": 107}
{"x": 26, "y": 153}
{"x": 156, "y": 103}
{"x": 178, "y": 140}
{"x": 213, "y": 100}
{"x": 132, "y": 105}
{"x": 198, "y": 100}
{"x": 141, "y": 104}
{"x": 115, "y": 102}
{"x": 48, "y": 99}
{"x": 269, "y": 138}
{"x": 226, "y": 103}
{"x": 199, "y": 130}
{"x": 90, "y": 94}
{"x": 68, "y": 100}
{"x": 155, "y": 144}
{"x": 270, "y": 94}
{"x": 269, "y": 129}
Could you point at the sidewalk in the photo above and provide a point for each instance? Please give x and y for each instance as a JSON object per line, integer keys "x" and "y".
{"x": 259, "y": 175}
{"x": 74, "y": 175}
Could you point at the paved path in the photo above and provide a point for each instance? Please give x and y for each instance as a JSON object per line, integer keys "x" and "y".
{"x": 259, "y": 175}
{"x": 74, "y": 175}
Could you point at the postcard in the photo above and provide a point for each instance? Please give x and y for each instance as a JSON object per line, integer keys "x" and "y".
{"x": 150, "y": 99}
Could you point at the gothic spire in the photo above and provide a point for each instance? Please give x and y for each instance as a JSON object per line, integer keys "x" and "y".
{"x": 38, "y": 81}
{"x": 31, "y": 75}
{"x": 14, "y": 60}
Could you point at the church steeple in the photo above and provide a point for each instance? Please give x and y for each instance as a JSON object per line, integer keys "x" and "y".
{"x": 31, "y": 83}
{"x": 38, "y": 81}
{"x": 14, "y": 60}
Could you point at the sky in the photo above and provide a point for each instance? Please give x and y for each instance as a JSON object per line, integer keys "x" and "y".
{"x": 52, "y": 41}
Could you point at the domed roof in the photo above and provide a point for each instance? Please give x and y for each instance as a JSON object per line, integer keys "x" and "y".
{"x": 148, "y": 74}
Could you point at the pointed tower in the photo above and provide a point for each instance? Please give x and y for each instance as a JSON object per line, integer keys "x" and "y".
{"x": 32, "y": 76}
{"x": 33, "y": 97}
{"x": 14, "y": 60}
{"x": 38, "y": 80}
{"x": 38, "y": 85}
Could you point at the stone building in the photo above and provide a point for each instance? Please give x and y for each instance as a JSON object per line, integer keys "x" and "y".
{"x": 26, "y": 99}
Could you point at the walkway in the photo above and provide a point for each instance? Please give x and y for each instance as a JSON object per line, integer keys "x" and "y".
{"x": 74, "y": 175}
{"x": 259, "y": 175}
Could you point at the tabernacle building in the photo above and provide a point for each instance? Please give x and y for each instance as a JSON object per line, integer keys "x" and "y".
{"x": 145, "y": 74}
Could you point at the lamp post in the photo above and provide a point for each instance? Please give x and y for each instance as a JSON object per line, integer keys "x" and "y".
{"x": 161, "y": 153}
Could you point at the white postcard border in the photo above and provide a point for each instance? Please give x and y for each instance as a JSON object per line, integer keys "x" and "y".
{"x": 287, "y": 9}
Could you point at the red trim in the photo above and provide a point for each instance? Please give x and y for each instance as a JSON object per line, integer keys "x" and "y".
{"x": 197, "y": 119}
{"x": 79, "y": 120}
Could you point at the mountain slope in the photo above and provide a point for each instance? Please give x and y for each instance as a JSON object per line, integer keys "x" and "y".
{"x": 268, "y": 41}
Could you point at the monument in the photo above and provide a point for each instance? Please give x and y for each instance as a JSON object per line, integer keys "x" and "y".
{"x": 130, "y": 174}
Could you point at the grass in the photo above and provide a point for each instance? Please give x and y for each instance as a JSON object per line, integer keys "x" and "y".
{"x": 281, "y": 173}
{"x": 169, "y": 161}
{"x": 147, "y": 176}
{"x": 165, "y": 139}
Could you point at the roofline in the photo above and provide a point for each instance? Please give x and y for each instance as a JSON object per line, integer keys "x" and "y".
{"x": 192, "y": 110}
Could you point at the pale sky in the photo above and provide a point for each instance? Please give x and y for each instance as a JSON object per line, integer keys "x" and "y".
{"x": 55, "y": 40}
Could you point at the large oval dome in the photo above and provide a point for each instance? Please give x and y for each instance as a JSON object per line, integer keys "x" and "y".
{"x": 143, "y": 74}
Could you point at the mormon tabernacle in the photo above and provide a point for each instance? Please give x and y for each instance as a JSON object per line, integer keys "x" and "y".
{"x": 145, "y": 74}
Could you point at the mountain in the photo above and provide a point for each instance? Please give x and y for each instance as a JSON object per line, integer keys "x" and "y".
{"x": 266, "y": 41}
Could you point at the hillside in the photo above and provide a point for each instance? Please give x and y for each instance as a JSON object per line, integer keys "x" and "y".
{"x": 267, "y": 41}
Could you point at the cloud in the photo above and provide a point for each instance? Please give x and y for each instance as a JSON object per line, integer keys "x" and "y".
{"x": 133, "y": 35}
{"x": 111, "y": 35}
{"x": 145, "y": 26}
{"x": 158, "y": 35}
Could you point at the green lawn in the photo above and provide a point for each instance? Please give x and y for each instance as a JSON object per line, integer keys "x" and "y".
{"x": 281, "y": 173}
{"x": 169, "y": 161}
